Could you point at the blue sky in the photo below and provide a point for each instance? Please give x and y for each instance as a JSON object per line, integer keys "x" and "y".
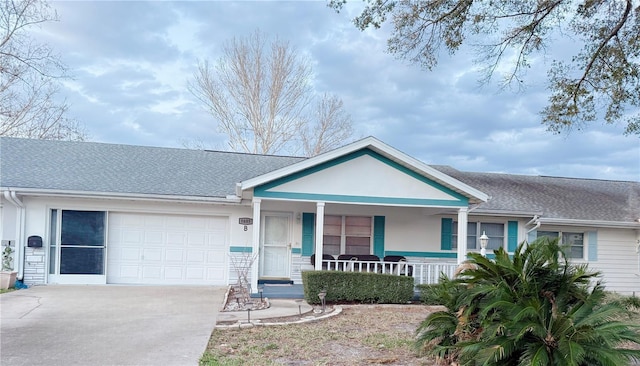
{"x": 131, "y": 61}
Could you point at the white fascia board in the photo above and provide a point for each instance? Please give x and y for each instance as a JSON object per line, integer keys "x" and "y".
{"x": 379, "y": 147}
{"x": 117, "y": 195}
{"x": 596, "y": 223}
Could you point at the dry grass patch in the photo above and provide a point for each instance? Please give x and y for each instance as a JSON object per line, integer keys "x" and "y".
{"x": 361, "y": 334}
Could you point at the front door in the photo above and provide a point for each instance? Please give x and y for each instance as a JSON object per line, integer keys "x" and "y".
{"x": 77, "y": 247}
{"x": 276, "y": 246}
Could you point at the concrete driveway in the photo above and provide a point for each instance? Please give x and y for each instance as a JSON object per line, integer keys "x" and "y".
{"x": 107, "y": 325}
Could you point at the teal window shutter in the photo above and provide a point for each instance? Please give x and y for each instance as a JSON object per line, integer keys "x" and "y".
{"x": 592, "y": 236}
{"x": 446, "y": 234}
{"x": 378, "y": 236}
{"x": 512, "y": 236}
{"x": 308, "y": 233}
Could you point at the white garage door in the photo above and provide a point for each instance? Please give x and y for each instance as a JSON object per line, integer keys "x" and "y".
{"x": 166, "y": 249}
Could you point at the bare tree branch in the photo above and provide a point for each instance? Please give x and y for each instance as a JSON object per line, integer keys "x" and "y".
{"x": 333, "y": 127}
{"x": 29, "y": 74}
{"x": 259, "y": 93}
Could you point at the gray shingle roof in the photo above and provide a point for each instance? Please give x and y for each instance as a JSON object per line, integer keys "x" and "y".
{"x": 555, "y": 197}
{"x": 112, "y": 168}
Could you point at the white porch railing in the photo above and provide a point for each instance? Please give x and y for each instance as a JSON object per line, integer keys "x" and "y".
{"x": 423, "y": 273}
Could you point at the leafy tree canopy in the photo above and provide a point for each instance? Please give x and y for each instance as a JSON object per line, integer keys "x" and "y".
{"x": 601, "y": 80}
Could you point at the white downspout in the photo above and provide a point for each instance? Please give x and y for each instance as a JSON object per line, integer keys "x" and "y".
{"x": 20, "y": 223}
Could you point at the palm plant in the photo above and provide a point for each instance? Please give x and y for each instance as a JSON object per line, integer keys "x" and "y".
{"x": 534, "y": 308}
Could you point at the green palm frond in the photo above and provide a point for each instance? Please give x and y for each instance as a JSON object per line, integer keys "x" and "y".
{"x": 531, "y": 308}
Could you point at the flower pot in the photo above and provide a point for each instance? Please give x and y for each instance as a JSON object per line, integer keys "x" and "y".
{"x": 7, "y": 280}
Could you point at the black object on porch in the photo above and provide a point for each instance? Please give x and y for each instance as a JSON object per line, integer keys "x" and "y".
{"x": 325, "y": 257}
{"x": 404, "y": 269}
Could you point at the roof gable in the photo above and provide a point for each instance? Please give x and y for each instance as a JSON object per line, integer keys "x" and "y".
{"x": 363, "y": 176}
{"x": 401, "y": 161}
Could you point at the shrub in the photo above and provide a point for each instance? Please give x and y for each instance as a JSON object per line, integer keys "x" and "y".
{"x": 357, "y": 287}
{"x": 534, "y": 308}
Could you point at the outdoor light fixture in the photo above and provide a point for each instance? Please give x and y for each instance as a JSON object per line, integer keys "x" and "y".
{"x": 299, "y": 302}
{"x": 484, "y": 240}
{"x": 322, "y": 295}
{"x": 249, "y": 305}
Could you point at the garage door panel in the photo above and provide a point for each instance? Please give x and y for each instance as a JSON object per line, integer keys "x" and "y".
{"x": 174, "y": 273}
{"x": 197, "y": 239}
{"x": 198, "y": 223}
{"x": 177, "y": 238}
{"x": 153, "y": 221}
{"x": 215, "y": 272}
{"x": 151, "y": 255}
{"x": 195, "y": 273}
{"x": 174, "y": 255}
{"x": 167, "y": 249}
{"x": 129, "y": 271}
{"x": 196, "y": 256}
{"x": 152, "y": 238}
{"x": 129, "y": 254}
{"x": 215, "y": 258}
{"x": 175, "y": 222}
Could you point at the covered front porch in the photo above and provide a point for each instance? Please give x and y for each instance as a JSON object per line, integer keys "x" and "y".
{"x": 365, "y": 207}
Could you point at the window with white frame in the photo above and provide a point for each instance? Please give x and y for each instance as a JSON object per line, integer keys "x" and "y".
{"x": 495, "y": 232}
{"x": 574, "y": 242}
{"x": 347, "y": 234}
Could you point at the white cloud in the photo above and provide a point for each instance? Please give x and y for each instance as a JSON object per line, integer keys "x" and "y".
{"x": 131, "y": 62}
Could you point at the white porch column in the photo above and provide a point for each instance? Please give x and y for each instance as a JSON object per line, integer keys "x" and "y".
{"x": 462, "y": 234}
{"x": 255, "y": 244}
{"x": 319, "y": 234}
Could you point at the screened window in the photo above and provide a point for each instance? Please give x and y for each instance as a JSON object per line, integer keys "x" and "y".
{"x": 78, "y": 247}
{"x": 495, "y": 232}
{"x": 347, "y": 234}
{"x": 574, "y": 242}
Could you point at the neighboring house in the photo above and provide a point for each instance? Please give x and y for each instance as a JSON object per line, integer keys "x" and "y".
{"x": 143, "y": 215}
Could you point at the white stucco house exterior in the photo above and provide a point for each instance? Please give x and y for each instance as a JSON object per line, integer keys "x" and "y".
{"x": 94, "y": 213}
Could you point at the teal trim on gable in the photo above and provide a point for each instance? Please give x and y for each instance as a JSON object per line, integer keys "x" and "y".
{"x": 362, "y": 199}
{"x": 296, "y": 250}
{"x": 240, "y": 249}
{"x": 422, "y": 254}
{"x": 512, "y": 236}
{"x": 592, "y": 236}
{"x": 446, "y": 234}
{"x": 308, "y": 233}
{"x": 378, "y": 236}
{"x": 263, "y": 190}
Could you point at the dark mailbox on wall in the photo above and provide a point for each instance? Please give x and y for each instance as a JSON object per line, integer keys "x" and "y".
{"x": 34, "y": 241}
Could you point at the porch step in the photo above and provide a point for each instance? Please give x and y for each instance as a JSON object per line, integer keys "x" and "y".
{"x": 275, "y": 282}
{"x": 281, "y": 292}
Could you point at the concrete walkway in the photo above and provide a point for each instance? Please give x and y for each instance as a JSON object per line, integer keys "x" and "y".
{"x": 107, "y": 325}
{"x": 279, "y": 308}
